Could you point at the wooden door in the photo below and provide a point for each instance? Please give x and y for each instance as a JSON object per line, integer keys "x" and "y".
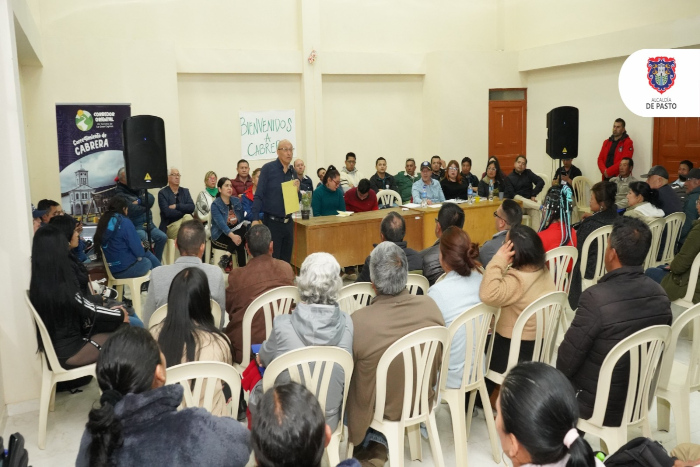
{"x": 676, "y": 139}
{"x": 507, "y": 128}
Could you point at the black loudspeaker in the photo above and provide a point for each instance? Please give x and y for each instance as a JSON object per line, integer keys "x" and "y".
{"x": 144, "y": 152}
{"x": 562, "y": 133}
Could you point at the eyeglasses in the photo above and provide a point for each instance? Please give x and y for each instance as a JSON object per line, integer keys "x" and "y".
{"x": 495, "y": 214}
{"x": 335, "y": 182}
{"x": 175, "y": 175}
{"x": 286, "y": 149}
{"x": 452, "y": 169}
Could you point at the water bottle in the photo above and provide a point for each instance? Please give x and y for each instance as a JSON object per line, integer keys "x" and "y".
{"x": 424, "y": 197}
{"x": 491, "y": 191}
{"x": 470, "y": 194}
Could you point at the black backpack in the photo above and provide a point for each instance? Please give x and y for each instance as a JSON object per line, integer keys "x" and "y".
{"x": 640, "y": 452}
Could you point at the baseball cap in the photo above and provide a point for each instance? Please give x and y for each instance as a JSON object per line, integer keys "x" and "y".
{"x": 37, "y": 213}
{"x": 656, "y": 170}
{"x": 425, "y": 164}
{"x": 694, "y": 173}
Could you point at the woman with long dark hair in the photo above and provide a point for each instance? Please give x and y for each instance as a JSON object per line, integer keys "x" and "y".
{"x": 228, "y": 226}
{"x": 137, "y": 421}
{"x": 116, "y": 237}
{"x": 452, "y": 185}
{"x": 537, "y": 416}
{"x": 188, "y": 333}
{"x": 494, "y": 176}
{"x": 328, "y": 198}
{"x": 77, "y": 327}
{"x": 643, "y": 202}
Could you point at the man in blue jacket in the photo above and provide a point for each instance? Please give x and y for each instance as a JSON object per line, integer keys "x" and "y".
{"x": 175, "y": 203}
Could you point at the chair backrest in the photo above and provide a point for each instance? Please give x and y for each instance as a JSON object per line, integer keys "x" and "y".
{"x": 312, "y": 366}
{"x": 547, "y": 311}
{"x": 672, "y": 226}
{"x": 687, "y": 300}
{"x": 49, "y": 352}
{"x": 442, "y": 276}
{"x": 644, "y": 348}
{"x": 272, "y": 303}
{"x": 355, "y": 296}
{"x": 106, "y": 264}
{"x": 418, "y": 350}
{"x": 691, "y": 317}
{"x": 206, "y": 376}
{"x": 159, "y": 315}
{"x": 476, "y": 322}
{"x": 417, "y": 282}
{"x": 388, "y": 198}
{"x": 547, "y": 185}
{"x": 657, "y": 227}
{"x": 558, "y": 261}
{"x": 600, "y": 236}
{"x": 582, "y": 191}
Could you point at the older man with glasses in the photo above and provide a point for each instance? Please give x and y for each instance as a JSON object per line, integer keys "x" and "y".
{"x": 176, "y": 205}
{"x": 506, "y": 216}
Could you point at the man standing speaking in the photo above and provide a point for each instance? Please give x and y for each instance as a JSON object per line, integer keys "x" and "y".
{"x": 270, "y": 200}
{"x": 616, "y": 147}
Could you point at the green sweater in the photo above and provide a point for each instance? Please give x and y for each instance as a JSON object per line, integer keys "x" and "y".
{"x": 676, "y": 282}
{"x": 326, "y": 202}
{"x": 404, "y": 182}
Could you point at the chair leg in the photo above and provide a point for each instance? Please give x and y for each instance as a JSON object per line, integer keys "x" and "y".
{"x": 459, "y": 424}
{"x": 52, "y": 404}
{"x": 435, "y": 447}
{"x": 414, "y": 442}
{"x": 47, "y": 386}
{"x": 681, "y": 410}
{"x": 349, "y": 450}
{"x": 136, "y": 299}
{"x": 490, "y": 423}
{"x": 394, "y": 435}
{"x": 333, "y": 449}
{"x": 470, "y": 413}
{"x": 120, "y": 292}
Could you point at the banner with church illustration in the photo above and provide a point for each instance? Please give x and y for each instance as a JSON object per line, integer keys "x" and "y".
{"x": 90, "y": 152}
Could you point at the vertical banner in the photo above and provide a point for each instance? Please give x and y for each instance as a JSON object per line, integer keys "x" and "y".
{"x": 261, "y": 131}
{"x": 90, "y": 152}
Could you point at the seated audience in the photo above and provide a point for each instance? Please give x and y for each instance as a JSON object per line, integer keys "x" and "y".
{"x": 393, "y": 314}
{"x": 116, "y": 237}
{"x": 450, "y": 214}
{"x": 643, "y": 202}
{"x": 320, "y": 173}
{"x": 249, "y": 196}
{"x": 623, "y": 181}
{"x": 188, "y": 333}
{"x": 317, "y": 320}
{"x": 623, "y": 302}
{"x": 452, "y": 185}
{"x": 361, "y": 198}
{"x": 555, "y": 227}
{"x": 692, "y": 187}
{"x": 175, "y": 203}
{"x": 382, "y": 180}
{"x": 77, "y": 326}
{"x": 498, "y": 165}
{"x": 515, "y": 277}
{"x": 567, "y": 172}
{"x": 243, "y": 180}
{"x": 49, "y": 209}
{"x": 524, "y": 181}
{"x": 604, "y": 212}
{"x": 305, "y": 182}
{"x": 658, "y": 180}
{"x": 432, "y": 187}
{"x": 684, "y": 167}
{"x": 393, "y": 229}
{"x": 290, "y": 430}
{"x": 536, "y": 419}
{"x": 405, "y": 180}
{"x": 495, "y": 177}
{"x": 207, "y": 196}
{"x": 438, "y": 167}
{"x": 349, "y": 175}
{"x": 190, "y": 243}
{"x": 674, "y": 277}
{"x": 327, "y": 199}
{"x": 137, "y": 421}
{"x": 263, "y": 273}
{"x": 468, "y": 178}
{"x": 228, "y": 224}
{"x": 508, "y": 214}
{"x": 458, "y": 291}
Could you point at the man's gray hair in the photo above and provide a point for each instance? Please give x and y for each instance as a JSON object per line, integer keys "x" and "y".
{"x": 319, "y": 279}
{"x": 388, "y": 269}
{"x": 121, "y": 173}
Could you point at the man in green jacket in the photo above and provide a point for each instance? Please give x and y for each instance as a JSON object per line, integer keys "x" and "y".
{"x": 692, "y": 188}
{"x": 405, "y": 180}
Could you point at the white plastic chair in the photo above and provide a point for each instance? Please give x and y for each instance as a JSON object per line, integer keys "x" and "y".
{"x": 207, "y": 231}
{"x": 388, "y": 198}
{"x": 644, "y": 348}
{"x": 170, "y": 252}
{"x": 355, "y": 296}
{"x": 442, "y": 276}
{"x": 159, "y": 315}
{"x": 272, "y": 303}
{"x": 657, "y": 227}
{"x": 677, "y": 380}
{"x": 672, "y": 226}
{"x": 417, "y": 282}
{"x": 476, "y": 322}
{"x": 208, "y": 377}
{"x": 316, "y": 364}
{"x": 687, "y": 300}
{"x": 558, "y": 260}
{"x": 134, "y": 284}
{"x": 51, "y": 373}
{"x": 547, "y": 185}
{"x": 600, "y": 236}
{"x": 582, "y": 195}
{"x": 418, "y": 350}
{"x": 546, "y": 310}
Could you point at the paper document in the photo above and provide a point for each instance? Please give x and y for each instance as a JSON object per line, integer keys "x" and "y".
{"x": 411, "y": 205}
{"x": 291, "y": 197}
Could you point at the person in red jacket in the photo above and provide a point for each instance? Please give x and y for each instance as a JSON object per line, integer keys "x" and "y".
{"x": 616, "y": 147}
{"x": 361, "y": 198}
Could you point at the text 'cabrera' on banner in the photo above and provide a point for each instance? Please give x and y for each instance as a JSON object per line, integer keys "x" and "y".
{"x": 261, "y": 131}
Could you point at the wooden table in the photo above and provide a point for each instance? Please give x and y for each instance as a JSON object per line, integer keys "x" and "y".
{"x": 351, "y": 239}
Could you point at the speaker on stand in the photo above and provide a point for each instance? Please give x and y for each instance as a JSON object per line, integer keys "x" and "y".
{"x": 562, "y": 133}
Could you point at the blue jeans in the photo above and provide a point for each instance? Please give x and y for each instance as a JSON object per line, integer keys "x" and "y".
{"x": 135, "y": 321}
{"x": 657, "y": 273}
{"x": 139, "y": 268}
{"x": 158, "y": 238}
